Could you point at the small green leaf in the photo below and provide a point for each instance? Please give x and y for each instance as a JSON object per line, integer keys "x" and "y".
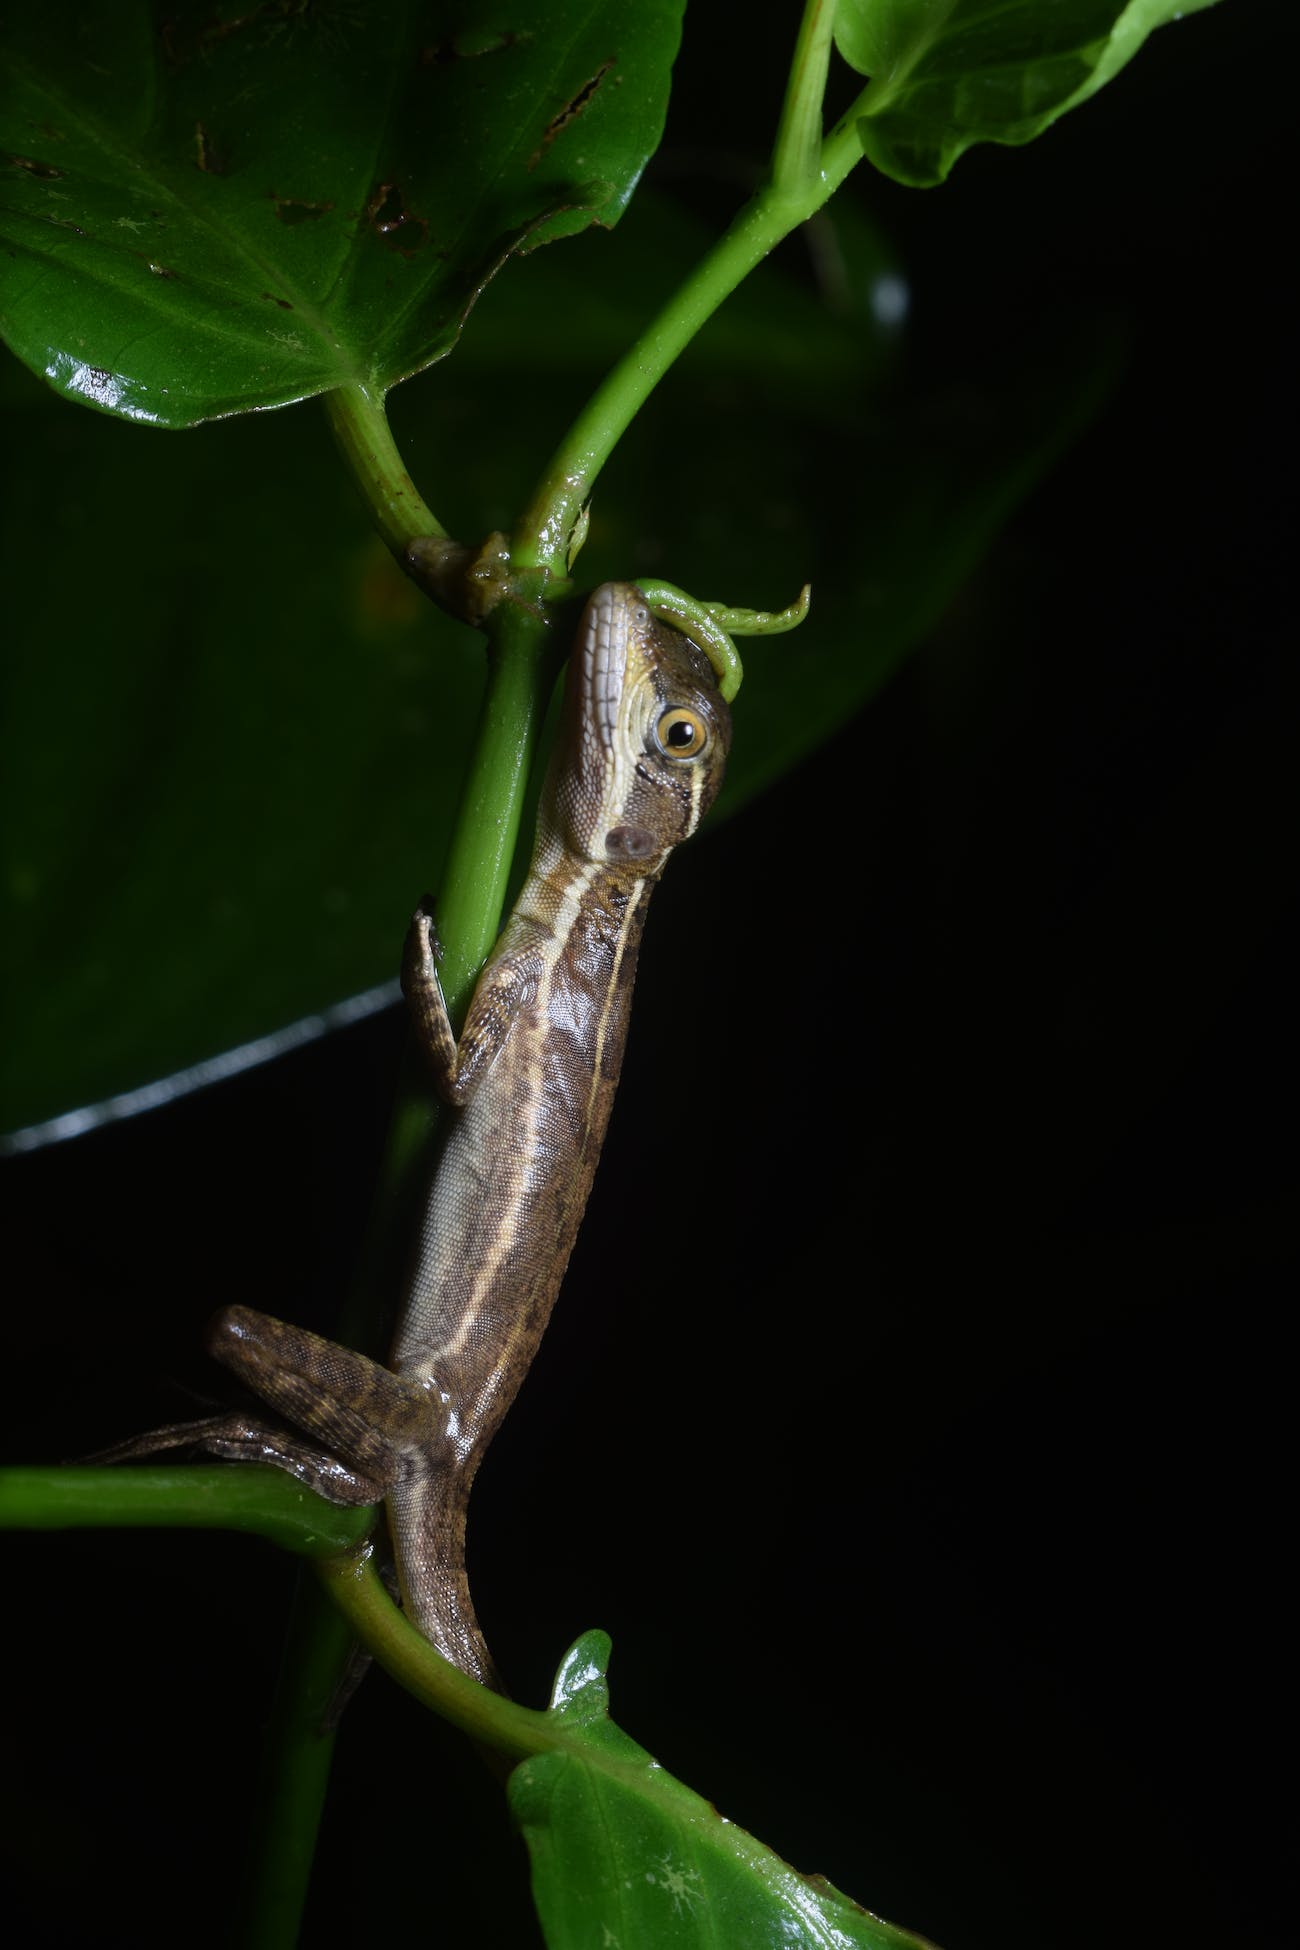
{"x": 624, "y": 1855}
{"x": 205, "y": 213}
{"x": 949, "y": 73}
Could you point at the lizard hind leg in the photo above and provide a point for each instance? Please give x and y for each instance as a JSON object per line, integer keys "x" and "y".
{"x": 373, "y": 1423}
{"x": 241, "y": 1437}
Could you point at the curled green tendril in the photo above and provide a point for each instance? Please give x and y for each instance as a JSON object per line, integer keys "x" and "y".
{"x": 712, "y": 625}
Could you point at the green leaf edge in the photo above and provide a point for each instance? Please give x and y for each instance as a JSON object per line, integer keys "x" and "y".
{"x": 823, "y": 1914}
{"x": 1133, "y": 25}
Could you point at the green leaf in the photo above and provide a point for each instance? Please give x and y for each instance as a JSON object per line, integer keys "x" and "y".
{"x": 211, "y": 210}
{"x": 622, "y": 1854}
{"x": 228, "y": 742}
{"x": 234, "y": 740}
{"x": 949, "y": 73}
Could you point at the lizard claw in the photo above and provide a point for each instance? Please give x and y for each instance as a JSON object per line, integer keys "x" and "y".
{"x": 428, "y": 927}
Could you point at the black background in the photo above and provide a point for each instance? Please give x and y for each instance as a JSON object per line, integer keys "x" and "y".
{"x": 914, "y": 1413}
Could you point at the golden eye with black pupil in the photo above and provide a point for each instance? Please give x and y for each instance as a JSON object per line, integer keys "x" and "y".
{"x": 681, "y": 733}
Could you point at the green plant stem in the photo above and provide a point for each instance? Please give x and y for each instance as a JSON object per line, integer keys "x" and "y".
{"x": 355, "y": 1586}
{"x": 491, "y": 805}
{"x": 295, "y": 1769}
{"x": 190, "y": 1496}
{"x": 469, "y": 902}
{"x": 477, "y": 871}
{"x": 799, "y": 136}
{"x": 542, "y": 535}
{"x": 396, "y": 506}
{"x": 515, "y": 1731}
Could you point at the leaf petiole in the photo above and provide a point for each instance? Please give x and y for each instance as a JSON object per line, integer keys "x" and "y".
{"x": 396, "y": 505}
{"x": 797, "y": 149}
{"x": 806, "y": 172}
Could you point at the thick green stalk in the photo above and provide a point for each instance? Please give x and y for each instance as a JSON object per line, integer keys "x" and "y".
{"x": 491, "y": 806}
{"x": 470, "y": 896}
{"x": 356, "y": 1589}
{"x": 542, "y": 536}
{"x": 177, "y": 1495}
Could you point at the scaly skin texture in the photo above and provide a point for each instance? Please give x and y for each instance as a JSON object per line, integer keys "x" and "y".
{"x": 537, "y": 1066}
{"x": 532, "y": 1078}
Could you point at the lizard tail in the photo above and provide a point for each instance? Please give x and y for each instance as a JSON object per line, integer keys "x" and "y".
{"x": 435, "y": 1596}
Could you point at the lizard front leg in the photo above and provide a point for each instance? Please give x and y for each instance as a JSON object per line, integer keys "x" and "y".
{"x": 507, "y": 983}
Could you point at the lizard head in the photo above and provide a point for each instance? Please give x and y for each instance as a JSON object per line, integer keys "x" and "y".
{"x": 647, "y": 734}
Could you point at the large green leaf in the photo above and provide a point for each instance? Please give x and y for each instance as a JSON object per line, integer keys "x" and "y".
{"x": 234, "y": 740}
{"x": 949, "y": 73}
{"x": 212, "y": 209}
{"x": 622, "y": 1854}
{"x": 227, "y": 736}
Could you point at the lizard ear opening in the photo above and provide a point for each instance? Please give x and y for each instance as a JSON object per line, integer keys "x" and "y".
{"x": 630, "y": 843}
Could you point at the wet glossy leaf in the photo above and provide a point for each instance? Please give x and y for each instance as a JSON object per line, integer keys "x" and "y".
{"x": 235, "y": 734}
{"x": 624, "y": 1854}
{"x": 229, "y": 737}
{"x": 209, "y": 210}
{"x": 949, "y": 73}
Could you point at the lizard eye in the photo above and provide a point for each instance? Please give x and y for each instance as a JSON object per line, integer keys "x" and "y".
{"x": 681, "y": 733}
